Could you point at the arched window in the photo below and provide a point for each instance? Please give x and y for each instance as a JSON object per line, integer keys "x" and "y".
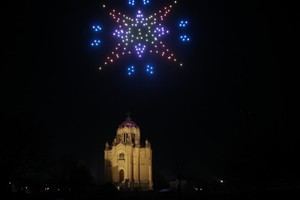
{"x": 121, "y": 156}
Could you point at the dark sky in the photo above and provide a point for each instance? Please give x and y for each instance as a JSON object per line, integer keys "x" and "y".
{"x": 223, "y": 115}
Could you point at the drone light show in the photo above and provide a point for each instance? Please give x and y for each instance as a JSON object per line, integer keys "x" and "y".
{"x": 141, "y": 35}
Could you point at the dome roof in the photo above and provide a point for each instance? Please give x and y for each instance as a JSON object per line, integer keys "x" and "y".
{"x": 128, "y": 123}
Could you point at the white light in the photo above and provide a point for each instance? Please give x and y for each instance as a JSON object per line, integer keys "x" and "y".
{"x": 146, "y": 30}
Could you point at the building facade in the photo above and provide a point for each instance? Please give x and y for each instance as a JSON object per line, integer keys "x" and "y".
{"x": 128, "y": 163}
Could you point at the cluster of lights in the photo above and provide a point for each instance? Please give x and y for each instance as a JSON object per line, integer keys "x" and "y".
{"x": 139, "y": 17}
{"x": 119, "y": 34}
{"x": 184, "y": 38}
{"x": 183, "y": 23}
{"x": 96, "y": 28}
{"x": 149, "y": 69}
{"x": 130, "y": 70}
{"x": 139, "y": 30}
{"x": 145, "y": 2}
{"x": 140, "y": 49}
{"x": 131, "y": 2}
{"x": 160, "y": 31}
{"x": 198, "y": 189}
{"x": 95, "y": 43}
{"x": 140, "y": 34}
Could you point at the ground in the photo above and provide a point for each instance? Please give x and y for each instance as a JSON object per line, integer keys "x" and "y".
{"x": 155, "y": 195}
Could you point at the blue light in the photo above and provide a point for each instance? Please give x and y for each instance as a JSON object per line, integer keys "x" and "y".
{"x": 185, "y": 38}
{"x": 183, "y": 23}
{"x": 95, "y": 43}
{"x": 149, "y": 69}
{"x": 130, "y": 70}
{"x": 131, "y": 2}
{"x": 145, "y": 2}
{"x": 97, "y": 28}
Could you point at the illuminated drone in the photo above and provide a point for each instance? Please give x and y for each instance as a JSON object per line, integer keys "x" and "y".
{"x": 141, "y": 35}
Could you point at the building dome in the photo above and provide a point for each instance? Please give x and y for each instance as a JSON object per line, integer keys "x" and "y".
{"x": 128, "y": 132}
{"x": 128, "y": 123}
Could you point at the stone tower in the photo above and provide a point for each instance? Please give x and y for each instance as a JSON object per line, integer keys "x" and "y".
{"x": 128, "y": 163}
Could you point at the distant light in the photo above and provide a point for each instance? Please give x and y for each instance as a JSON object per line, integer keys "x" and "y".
{"x": 131, "y": 2}
{"x": 95, "y": 43}
{"x": 181, "y": 64}
{"x": 103, "y": 6}
{"x": 221, "y": 181}
{"x": 141, "y": 34}
{"x": 184, "y": 38}
{"x": 130, "y": 70}
{"x": 149, "y": 69}
{"x": 97, "y": 28}
{"x": 145, "y": 2}
{"x": 183, "y": 23}
{"x": 9, "y": 183}
{"x": 100, "y": 68}
{"x": 140, "y": 49}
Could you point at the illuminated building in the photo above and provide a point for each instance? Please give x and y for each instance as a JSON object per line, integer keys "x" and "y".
{"x": 127, "y": 162}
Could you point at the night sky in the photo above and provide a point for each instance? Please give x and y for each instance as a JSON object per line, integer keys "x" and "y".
{"x": 224, "y": 114}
